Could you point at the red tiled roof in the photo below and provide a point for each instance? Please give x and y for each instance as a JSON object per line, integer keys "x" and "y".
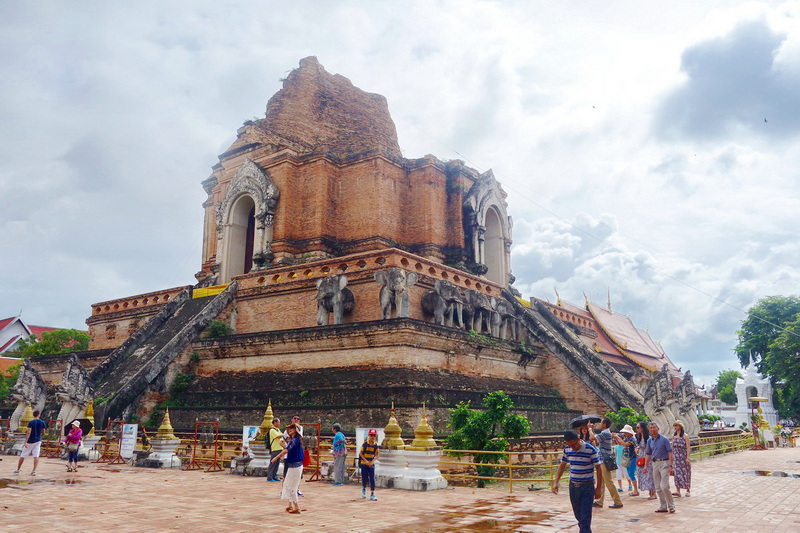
{"x": 8, "y": 362}
{"x": 635, "y": 343}
{"x": 6, "y": 321}
{"x": 11, "y": 341}
{"x": 38, "y": 330}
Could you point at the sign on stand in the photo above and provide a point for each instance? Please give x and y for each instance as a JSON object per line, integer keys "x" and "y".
{"x": 249, "y": 433}
{"x": 127, "y": 443}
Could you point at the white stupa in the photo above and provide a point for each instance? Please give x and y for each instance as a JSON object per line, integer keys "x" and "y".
{"x": 754, "y": 384}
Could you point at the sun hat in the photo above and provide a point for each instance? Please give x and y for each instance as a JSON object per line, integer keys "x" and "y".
{"x": 627, "y": 429}
{"x": 76, "y": 423}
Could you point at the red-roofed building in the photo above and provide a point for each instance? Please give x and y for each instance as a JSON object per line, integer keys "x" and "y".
{"x": 631, "y": 351}
{"x": 14, "y": 329}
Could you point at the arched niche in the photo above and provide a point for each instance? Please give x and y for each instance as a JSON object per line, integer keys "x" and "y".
{"x": 488, "y": 229}
{"x": 244, "y": 222}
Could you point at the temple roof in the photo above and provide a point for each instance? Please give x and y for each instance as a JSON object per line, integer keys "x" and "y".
{"x": 316, "y": 111}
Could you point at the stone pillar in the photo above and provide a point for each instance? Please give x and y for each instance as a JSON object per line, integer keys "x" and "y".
{"x": 391, "y": 464}
{"x": 423, "y": 457}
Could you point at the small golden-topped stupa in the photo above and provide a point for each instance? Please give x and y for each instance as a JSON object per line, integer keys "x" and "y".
{"x": 90, "y": 415}
{"x": 266, "y": 423}
{"x": 165, "y": 430}
{"x": 26, "y": 417}
{"x": 423, "y": 435}
{"x": 392, "y": 433}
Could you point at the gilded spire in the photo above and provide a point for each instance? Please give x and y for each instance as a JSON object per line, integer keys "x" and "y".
{"x": 90, "y": 415}
{"x": 26, "y": 417}
{"x": 558, "y": 297}
{"x": 423, "y": 434}
{"x": 266, "y": 423}
{"x": 392, "y": 433}
{"x": 165, "y": 430}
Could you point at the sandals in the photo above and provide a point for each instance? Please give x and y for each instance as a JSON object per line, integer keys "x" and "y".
{"x": 676, "y": 494}
{"x": 633, "y": 494}
{"x": 294, "y": 511}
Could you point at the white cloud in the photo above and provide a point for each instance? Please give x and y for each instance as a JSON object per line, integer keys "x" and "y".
{"x": 113, "y": 115}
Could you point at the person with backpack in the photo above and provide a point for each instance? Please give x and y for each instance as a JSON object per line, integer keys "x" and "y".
{"x": 274, "y": 443}
{"x": 367, "y": 456}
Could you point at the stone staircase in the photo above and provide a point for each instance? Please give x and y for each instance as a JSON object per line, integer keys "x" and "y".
{"x": 138, "y": 362}
{"x": 595, "y": 372}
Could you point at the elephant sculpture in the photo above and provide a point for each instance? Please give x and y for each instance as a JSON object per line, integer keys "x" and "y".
{"x": 333, "y": 296}
{"x": 504, "y": 319}
{"x": 445, "y": 303}
{"x": 480, "y": 310}
{"x": 394, "y": 291}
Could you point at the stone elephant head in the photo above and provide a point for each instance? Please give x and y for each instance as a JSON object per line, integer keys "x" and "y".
{"x": 445, "y": 303}
{"x": 504, "y": 319}
{"x": 394, "y": 290}
{"x": 333, "y": 296}
{"x": 479, "y": 309}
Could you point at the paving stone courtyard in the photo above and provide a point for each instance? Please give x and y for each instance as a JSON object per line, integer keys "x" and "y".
{"x": 727, "y": 496}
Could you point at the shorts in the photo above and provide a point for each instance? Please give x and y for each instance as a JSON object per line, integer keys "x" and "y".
{"x": 31, "y": 449}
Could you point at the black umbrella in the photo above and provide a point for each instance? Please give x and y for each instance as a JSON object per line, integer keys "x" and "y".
{"x": 583, "y": 420}
{"x": 86, "y": 426}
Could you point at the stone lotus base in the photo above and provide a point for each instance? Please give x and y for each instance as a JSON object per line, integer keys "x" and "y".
{"x": 389, "y": 468}
{"x": 420, "y": 474}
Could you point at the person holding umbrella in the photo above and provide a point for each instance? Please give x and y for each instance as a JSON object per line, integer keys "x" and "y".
{"x": 72, "y": 442}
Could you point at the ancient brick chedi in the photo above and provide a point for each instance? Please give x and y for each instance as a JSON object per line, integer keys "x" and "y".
{"x": 338, "y": 276}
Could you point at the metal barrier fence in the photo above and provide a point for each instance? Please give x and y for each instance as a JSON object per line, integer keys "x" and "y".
{"x": 544, "y": 464}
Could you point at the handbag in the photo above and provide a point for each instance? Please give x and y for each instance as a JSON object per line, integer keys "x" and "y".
{"x": 306, "y": 458}
{"x": 72, "y": 447}
{"x": 625, "y": 462}
{"x": 640, "y": 461}
{"x": 610, "y": 462}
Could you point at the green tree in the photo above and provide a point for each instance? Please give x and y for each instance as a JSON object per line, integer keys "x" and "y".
{"x": 726, "y": 386}
{"x": 52, "y": 342}
{"x": 486, "y": 430}
{"x": 625, "y": 416}
{"x": 7, "y": 380}
{"x": 770, "y": 339}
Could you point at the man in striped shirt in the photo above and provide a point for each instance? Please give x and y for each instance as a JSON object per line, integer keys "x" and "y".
{"x": 584, "y": 465}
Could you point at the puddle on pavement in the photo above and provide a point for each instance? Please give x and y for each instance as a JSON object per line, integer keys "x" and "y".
{"x": 27, "y": 483}
{"x": 768, "y": 473}
{"x": 483, "y": 515}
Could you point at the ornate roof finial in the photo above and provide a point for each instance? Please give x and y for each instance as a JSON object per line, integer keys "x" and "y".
{"x": 609, "y": 298}
{"x": 586, "y": 301}
{"x": 558, "y": 297}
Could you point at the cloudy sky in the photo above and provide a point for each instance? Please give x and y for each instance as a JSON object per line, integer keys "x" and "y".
{"x": 649, "y": 149}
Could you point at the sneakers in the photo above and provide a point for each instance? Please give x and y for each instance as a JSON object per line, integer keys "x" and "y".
{"x": 33, "y": 473}
{"x": 337, "y": 484}
{"x": 373, "y": 498}
{"x": 15, "y": 471}
{"x": 364, "y": 493}
{"x": 300, "y": 493}
{"x": 595, "y": 504}
{"x": 620, "y": 490}
{"x": 615, "y": 506}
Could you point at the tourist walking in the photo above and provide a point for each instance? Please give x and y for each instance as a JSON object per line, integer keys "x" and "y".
{"x": 274, "y": 443}
{"x": 660, "y": 457}
{"x": 299, "y": 428}
{"x": 294, "y": 468}
{"x": 339, "y": 452}
{"x": 33, "y": 443}
{"x": 604, "y": 443}
{"x": 367, "y": 457}
{"x": 644, "y": 473}
{"x": 584, "y": 465}
{"x": 622, "y": 470}
{"x": 627, "y": 440}
{"x": 681, "y": 449}
{"x": 72, "y": 442}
